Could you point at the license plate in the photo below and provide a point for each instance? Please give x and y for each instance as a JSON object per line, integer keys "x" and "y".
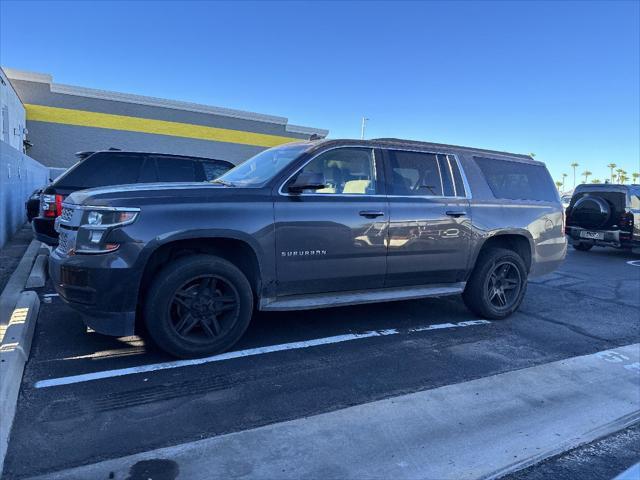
{"x": 592, "y": 235}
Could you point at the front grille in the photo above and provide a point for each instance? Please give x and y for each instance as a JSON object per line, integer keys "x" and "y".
{"x": 63, "y": 242}
{"x": 66, "y": 215}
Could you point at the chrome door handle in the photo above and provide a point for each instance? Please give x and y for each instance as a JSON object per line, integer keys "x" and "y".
{"x": 371, "y": 213}
{"x": 456, "y": 213}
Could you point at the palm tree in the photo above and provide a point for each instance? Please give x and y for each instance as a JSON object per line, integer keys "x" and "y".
{"x": 586, "y": 174}
{"x": 596, "y": 180}
{"x": 559, "y": 185}
{"x": 623, "y": 177}
{"x": 612, "y": 166}
{"x": 574, "y": 165}
{"x": 619, "y": 171}
{"x": 635, "y": 176}
{"x": 564, "y": 175}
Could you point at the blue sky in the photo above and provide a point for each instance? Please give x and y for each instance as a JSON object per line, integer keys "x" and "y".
{"x": 561, "y": 79}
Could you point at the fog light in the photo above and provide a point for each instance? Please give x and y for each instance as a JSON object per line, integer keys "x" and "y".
{"x": 95, "y": 236}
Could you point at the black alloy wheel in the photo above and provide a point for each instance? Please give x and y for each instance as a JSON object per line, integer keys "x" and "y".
{"x": 204, "y": 309}
{"x": 497, "y": 284}
{"x": 503, "y": 285}
{"x": 198, "y": 305}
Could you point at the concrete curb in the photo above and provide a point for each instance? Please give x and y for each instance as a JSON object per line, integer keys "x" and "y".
{"x": 14, "y": 353}
{"x": 38, "y": 276}
{"x": 16, "y": 283}
{"x": 18, "y": 315}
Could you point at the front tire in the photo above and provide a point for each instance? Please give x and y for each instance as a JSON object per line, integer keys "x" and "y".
{"x": 497, "y": 284}
{"x": 583, "y": 247}
{"x": 198, "y": 305}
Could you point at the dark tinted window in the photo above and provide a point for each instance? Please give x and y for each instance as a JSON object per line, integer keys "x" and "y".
{"x": 213, "y": 169}
{"x": 517, "y": 181}
{"x": 102, "y": 169}
{"x": 148, "y": 173}
{"x": 175, "y": 169}
{"x": 414, "y": 173}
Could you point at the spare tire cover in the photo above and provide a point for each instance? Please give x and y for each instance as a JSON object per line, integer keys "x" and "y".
{"x": 591, "y": 212}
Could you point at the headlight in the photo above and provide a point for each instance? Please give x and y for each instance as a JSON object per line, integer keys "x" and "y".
{"x": 96, "y": 224}
{"x": 109, "y": 218}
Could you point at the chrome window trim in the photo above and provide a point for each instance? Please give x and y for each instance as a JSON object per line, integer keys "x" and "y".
{"x": 453, "y": 179}
{"x": 467, "y": 196}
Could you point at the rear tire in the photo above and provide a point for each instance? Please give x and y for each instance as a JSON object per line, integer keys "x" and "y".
{"x": 198, "y": 305}
{"x": 583, "y": 247}
{"x": 497, "y": 284}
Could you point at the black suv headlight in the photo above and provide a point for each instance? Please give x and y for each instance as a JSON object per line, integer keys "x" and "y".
{"x": 96, "y": 223}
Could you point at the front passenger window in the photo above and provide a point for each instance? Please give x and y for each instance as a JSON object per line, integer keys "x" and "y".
{"x": 347, "y": 171}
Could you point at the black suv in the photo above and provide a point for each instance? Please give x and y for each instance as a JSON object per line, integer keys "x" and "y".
{"x": 308, "y": 225}
{"x": 114, "y": 167}
{"x": 604, "y": 215}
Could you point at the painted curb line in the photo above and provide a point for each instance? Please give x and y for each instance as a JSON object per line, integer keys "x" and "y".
{"x": 38, "y": 276}
{"x": 476, "y": 430}
{"x": 14, "y": 353}
{"x": 15, "y": 285}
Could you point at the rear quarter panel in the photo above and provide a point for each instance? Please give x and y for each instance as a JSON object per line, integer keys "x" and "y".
{"x": 542, "y": 223}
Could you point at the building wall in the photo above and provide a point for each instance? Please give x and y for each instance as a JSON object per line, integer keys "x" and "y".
{"x": 63, "y": 119}
{"x": 19, "y": 177}
{"x": 12, "y": 114}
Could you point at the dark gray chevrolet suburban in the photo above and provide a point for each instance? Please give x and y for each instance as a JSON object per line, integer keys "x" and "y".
{"x": 308, "y": 225}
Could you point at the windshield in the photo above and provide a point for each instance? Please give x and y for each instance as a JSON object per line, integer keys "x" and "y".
{"x": 261, "y": 168}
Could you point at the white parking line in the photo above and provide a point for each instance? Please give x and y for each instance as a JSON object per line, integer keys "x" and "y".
{"x": 87, "y": 377}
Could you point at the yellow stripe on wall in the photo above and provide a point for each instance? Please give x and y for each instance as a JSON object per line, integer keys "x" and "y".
{"x": 82, "y": 118}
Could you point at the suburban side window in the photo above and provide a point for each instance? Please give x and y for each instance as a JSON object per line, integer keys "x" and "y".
{"x": 348, "y": 171}
{"x": 174, "y": 169}
{"x": 103, "y": 169}
{"x": 517, "y": 180}
{"x": 414, "y": 173}
{"x": 213, "y": 169}
{"x": 148, "y": 172}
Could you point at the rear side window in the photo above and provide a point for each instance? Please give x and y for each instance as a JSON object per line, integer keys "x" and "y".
{"x": 175, "y": 169}
{"x": 517, "y": 180}
{"x": 414, "y": 173}
{"x": 213, "y": 169}
{"x": 102, "y": 169}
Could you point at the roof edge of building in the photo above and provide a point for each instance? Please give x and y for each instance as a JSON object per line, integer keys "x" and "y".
{"x": 14, "y": 74}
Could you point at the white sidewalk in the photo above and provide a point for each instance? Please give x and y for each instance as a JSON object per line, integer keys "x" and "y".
{"x": 478, "y": 429}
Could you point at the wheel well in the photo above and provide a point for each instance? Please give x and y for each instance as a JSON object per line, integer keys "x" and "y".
{"x": 517, "y": 243}
{"x": 235, "y": 251}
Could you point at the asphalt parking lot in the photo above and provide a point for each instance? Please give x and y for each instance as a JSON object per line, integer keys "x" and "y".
{"x": 84, "y": 397}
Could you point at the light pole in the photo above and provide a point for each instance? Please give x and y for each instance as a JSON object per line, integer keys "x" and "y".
{"x": 364, "y": 124}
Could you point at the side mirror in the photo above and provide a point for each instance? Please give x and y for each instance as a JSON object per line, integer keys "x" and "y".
{"x": 307, "y": 181}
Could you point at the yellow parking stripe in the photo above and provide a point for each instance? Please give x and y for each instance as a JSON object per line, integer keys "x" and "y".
{"x": 82, "y": 118}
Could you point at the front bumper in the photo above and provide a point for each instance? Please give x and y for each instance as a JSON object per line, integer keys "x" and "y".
{"x": 103, "y": 288}
{"x": 612, "y": 238}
